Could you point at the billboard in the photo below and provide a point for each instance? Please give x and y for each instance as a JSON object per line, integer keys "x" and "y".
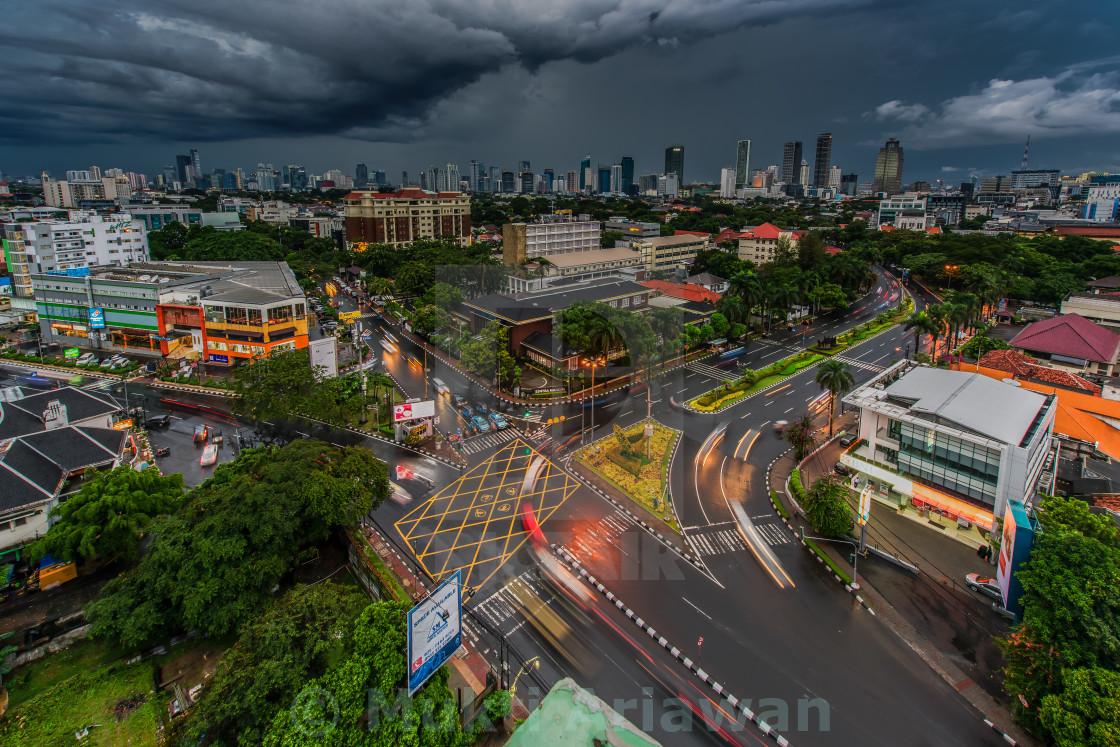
{"x": 97, "y": 319}
{"x": 435, "y": 631}
{"x": 71, "y": 352}
{"x": 324, "y": 358}
{"x": 414, "y": 410}
{"x": 1014, "y": 550}
{"x": 349, "y": 315}
{"x": 218, "y": 358}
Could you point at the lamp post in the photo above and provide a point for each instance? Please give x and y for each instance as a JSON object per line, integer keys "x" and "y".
{"x": 362, "y": 371}
{"x": 593, "y": 363}
{"x": 950, "y": 268}
{"x": 535, "y": 663}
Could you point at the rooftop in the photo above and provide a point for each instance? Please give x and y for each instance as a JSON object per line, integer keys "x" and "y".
{"x": 660, "y": 241}
{"x": 1019, "y": 365}
{"x": 687, "y": 291}
{"x": 33, "y": 467}
{"x": 544, "y": 305}
{"x": 24, "y": 416}
{"x": 576, "y": 259}
{"x": 570, "y": 715}
{"x": 1069, "y": 335}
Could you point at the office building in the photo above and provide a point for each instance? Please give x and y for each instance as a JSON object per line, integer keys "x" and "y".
{"x": 674, "y": 162}
{"x": 955, "y": 443}
{"x": 603, "y": 184}
{"x": 1033, "y": 178}
{"x": 632, "y": 229}
{"x": 791, "y": 162}
{"x": 452, "y": 183}
{"x": 473, "y": 173}
{"x": 888, "y": 169}
{"x": 803, "y": 175}
{"x": 669, "y": 252}
{"x": 549, "y": 179}
{"x": 547, "y": 236}
{"x": 525, "y": 182}
{"x": 849, "y": 184}
{"x": 892, "y": 208}
{"x": 668, "y": 185}
{"x": 577, "y": 267}
{"x": 824, "y": 160}
{"x": 616, "y": 178}
{"x": 1102, "y": 201}
{"x": 82, "y": 190}
{"x": 742, "y": 168}
{"x": 523, "y": 167}
{"x": 184, "y": 170}
{"x": 728, "y": 179}
{"x": 196, "y": 163}
{"x": 509, "y": 182}
{"x": 628, "y": 186}
{"x": 406, "y": 215}
{"x": 71, "y": 245}
{"x": 572, "y": 181}
{"x": 361, "y": 176}
{"x": 586, "y": 181}
{"x": 156, "y": 216}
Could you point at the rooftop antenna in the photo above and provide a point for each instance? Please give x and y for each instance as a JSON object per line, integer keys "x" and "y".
{"x": 1026, "y": 150}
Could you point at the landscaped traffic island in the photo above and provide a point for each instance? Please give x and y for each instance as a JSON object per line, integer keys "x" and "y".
{"x": 622, "y": 461}
{"x": 753, "y": 381}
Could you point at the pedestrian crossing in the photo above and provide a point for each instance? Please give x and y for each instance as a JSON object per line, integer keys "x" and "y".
{"x": 498, "y": 608}
{"x": 710, "y": 371}
{"x": 861, "y": 364}
{"x": 721, "y": 541}
{"x": 101, "y": 385}
{"x": 488, "y": 440}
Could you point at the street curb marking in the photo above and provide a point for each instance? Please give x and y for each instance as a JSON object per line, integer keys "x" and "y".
{"x": 1006, "y": 737}
{"x": 675, "y": 652}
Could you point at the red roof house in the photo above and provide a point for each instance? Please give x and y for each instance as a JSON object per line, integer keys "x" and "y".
{"x": 687, "y": 291}
{"x": 1069, "y": 336}
{"x": 1022, "y": 367}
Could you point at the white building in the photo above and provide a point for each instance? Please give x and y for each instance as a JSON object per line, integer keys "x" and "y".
{"x": 554, "y": 234}
{"x": 834, "y": 177}
{"x": 69, "y": 193}
{"x": 891, "y": 207}
{"x": 959, "y": 443}
{"x": 1102, "y": 201}
{"x": 83, "y": 240}
{"x": 727, "y": 182}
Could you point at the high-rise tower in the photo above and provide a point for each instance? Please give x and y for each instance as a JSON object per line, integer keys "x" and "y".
{"x": 888, "y": 169}
{"x": 824, "y": 160}
{"x": 674, "y": 162}
{"x": 743, "y": 164}
{"x": 791, "y": 162}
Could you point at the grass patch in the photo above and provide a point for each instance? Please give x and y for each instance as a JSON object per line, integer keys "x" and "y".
{"x": 765, "y": 377}
{"x": 641, "y": 479}
{"x": 82, "y": 686}
{"x": 778, "y": 505}
{"x": 828, "y": 561}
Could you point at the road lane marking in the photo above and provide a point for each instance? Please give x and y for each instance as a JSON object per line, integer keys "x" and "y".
{"x": 787, "y": 412}
{"x": 693, "y": 606}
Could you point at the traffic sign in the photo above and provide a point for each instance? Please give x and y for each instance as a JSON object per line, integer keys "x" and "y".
{"x": 701, "y": 641}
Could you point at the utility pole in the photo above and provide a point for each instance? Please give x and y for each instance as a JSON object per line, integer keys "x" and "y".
{"x": 362, "y": 373}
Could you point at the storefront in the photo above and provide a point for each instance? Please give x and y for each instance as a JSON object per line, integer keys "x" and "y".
{"x": 64, "y": 329}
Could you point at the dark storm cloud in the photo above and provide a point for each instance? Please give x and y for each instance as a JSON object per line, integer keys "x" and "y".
{"x": 124, "y": 70}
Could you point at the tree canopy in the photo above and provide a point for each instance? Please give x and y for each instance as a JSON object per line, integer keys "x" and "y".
{"x": 108, "y": 515}
{"x": 213, "y": 564}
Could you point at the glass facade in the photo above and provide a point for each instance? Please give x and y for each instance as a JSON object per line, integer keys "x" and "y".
{"x": 961, "y": 466}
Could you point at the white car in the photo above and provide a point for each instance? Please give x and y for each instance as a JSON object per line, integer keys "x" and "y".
{"x": 86, "y": 359}
{"x": 986, "y": 586}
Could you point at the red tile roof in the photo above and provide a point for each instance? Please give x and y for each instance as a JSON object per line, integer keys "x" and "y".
{"x": 728, "y": 234}
{"x": 1021, "y": 366}
{"x": 933, "y": 229}
{"x": 832, "y": 250}
{"x": 765, "y": 231}
{"x": 687, "y": 291}
{"x": 1070, "y": 335}
{"x": 1104, "y": 232}
{"x": 691, "y": 233}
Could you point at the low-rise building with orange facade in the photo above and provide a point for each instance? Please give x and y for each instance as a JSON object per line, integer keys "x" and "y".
{"x": 406, "y": 215}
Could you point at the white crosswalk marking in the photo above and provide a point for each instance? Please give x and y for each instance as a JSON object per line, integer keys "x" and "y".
{"x": 717, "y": 542}
{"x": 487, "y": 440}
{"x": 774, "y": 534}
{"x": 861, "y": 364}
{"x": 710, "y": 371}
{"x": 99, "y": 385}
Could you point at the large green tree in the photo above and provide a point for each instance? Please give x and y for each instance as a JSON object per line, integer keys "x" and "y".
{"x": 108, "y": 515}
{"x": 487, "y": 355}
{"x": 276, "y": 386}
{"x": 213, "y": 564}
{"x": 827, "y": 508}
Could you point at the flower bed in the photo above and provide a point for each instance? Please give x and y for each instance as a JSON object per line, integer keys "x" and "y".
{"x": 646, "y": 485}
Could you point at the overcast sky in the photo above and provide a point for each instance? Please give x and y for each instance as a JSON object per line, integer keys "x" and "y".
{"x": 404, "y": 83}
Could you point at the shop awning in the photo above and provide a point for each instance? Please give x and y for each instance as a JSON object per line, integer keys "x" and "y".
{"x": 954, "y": 506}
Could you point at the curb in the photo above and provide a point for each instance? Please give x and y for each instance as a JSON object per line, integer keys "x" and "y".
{"x": 1006, "y": 737}
{"x": 192, "y": 389}
{"x": 63, "y": 369}
{"x": 676, "y": 653}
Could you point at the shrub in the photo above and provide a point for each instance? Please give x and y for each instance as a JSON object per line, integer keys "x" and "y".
{"x": 631, "y": 464}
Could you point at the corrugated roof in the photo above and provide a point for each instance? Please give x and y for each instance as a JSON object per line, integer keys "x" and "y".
{"x": 1069, "y": 335}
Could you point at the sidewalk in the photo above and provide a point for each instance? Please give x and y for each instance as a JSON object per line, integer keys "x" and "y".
{"x": 914, "y": 542}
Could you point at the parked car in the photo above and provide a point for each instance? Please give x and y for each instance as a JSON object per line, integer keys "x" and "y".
{"x": 841, "y": 469}
{"x": 120, "y": 363}
{"x": 848, "y": 439}
{"x": 498, "y": 421}
{"x": 480, "y": 424}
{"x": 986, "y": 586}
{"x": 458, "y": 400}
{"x": 86, "y": 359}
{"x": 108, "y": 362}
{"x": 466, "y": 412}
{"x": 158, "y": 421}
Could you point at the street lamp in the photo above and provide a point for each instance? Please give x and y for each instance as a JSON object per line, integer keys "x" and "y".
{"x": 536, "y": 664}
{"x": 593, "y": 363}
{"x": 950, "y": 268}
{"x": 855, "y": 554}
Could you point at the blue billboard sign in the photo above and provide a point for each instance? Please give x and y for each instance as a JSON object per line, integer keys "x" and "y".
{"x": 1014, "y": 550}
{"x": 435, "y": 631}
{"x": 97, "y": 319}
{"x": 216, "y": 358}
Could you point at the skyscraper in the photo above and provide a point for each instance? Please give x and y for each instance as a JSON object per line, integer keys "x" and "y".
{"x": 361, "y": 176}
{"x": 674, "y": 162}
{"x": 495, "y": 179}
{"x": 379, "y": 178}
{"x": 791, "y": 162}
{"x": 603, "y": 184}
{"x": 888, "y": 169}
{"x": 572, "y": 182}
{"x": 549, "y": 179}
{"x": 453, "y": 178}
{"x": 803, "y": 175}
{"x": 824, "y": 159}
{"x": 727, "y": 181}
{"x": 627, "y": 164}
{"x": 183, "y": 170}
{"x": 508, "y": 182}
{"x": 196, "y": 164}
{"x": 742, "y": 165}
{"x": 472, "y": 176}
{"x": 523, "y": 166}
{"x": 585, "y": 178}
{"x": 616, "y": 178}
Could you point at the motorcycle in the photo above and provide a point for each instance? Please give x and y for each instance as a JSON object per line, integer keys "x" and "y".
{"x": 163, "y": 451}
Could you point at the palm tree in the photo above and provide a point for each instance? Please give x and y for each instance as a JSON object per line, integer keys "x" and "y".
{"x": 936, "y": 313}
{"x": 922, "y": 324}
{"x": 747, "y": 286}
{"x": 603, "y": 336}
{"x": 836, "y": 377}
{"x": 957, "y": 316}
{"x": 378, "y": 381}
{"x": 380, "y": 287}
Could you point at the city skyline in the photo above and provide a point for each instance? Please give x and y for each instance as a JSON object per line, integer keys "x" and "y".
{"x": 962, "y": 106}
